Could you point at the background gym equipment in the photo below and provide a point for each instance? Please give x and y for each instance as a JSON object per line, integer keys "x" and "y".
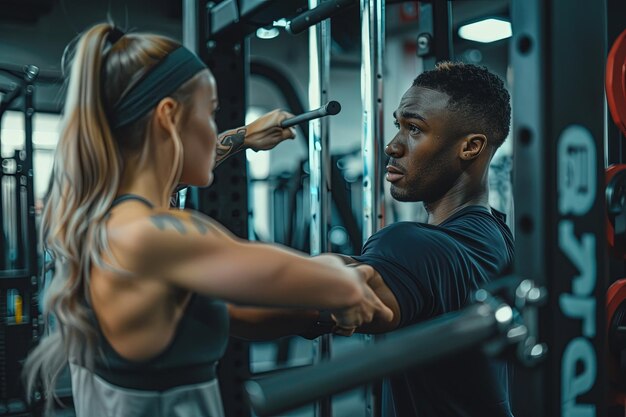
{"x": 559, "y": 214}
{"x": 616, "y": 81}
{"x": 19, "y": 284}
{"x": 616, "y": 325}
{"x": 616, "y": 209}
{"x": 316, "y": 14}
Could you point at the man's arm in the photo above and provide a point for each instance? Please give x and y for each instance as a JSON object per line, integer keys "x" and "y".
{"x": 257, "y": 323}
{"x": 348, "y": 260}
{"x": 270, "y": 323}
{"x": 382, "y": 291}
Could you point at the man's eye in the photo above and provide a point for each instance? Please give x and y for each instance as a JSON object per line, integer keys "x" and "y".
{"x": 414, "y": 130}
{"x": 396, "y": 124}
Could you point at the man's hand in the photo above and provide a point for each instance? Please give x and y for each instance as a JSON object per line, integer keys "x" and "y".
{"x": 265, "y": 133}
{"x": 349, "y": 319}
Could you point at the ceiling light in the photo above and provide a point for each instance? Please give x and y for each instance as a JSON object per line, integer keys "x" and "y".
{"x": 267, "y": 33}
{"x": 485, "y": 31}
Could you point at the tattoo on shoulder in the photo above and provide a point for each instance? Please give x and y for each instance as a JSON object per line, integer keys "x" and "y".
{"x": 162, "y": 221}
{"x": 199, "y": 223}
{"x": 230, "y": 143}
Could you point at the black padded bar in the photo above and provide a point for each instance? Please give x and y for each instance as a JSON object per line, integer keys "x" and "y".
{"x": 329, "y": 109}
{"x": 316, "y": 15}
{"x": 407, "y": 348}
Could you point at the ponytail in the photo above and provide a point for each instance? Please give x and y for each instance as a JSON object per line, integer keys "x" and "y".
{"x": 86, "y": 176}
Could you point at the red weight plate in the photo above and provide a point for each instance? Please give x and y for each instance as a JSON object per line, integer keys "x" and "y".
{"x": 616, "y": 81}
{"x": 615, "y": 295}
{"x": 610, "y": 231}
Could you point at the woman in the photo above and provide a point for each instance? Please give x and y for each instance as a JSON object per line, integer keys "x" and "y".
{"x": 136, "y": 286}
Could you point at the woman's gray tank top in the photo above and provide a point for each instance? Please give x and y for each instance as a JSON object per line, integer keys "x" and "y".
{"x": 180, "y": 381}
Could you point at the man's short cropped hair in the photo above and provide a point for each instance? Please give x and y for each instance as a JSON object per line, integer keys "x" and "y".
{"x": 477, "y": 96}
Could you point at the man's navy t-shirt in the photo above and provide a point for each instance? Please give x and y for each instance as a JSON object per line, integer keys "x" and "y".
{"x": 433, "y": 270}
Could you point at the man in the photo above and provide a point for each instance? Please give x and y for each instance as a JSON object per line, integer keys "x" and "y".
{"x": 450, "y": 123}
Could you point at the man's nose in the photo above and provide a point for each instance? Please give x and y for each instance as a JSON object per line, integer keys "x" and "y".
{"x": 393, "y": 149}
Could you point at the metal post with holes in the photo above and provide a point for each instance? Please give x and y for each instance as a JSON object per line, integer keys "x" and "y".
{"x": 19, "y": 313}
{"x": 559, "y": 171}
{"x": 319, "y": 165}
{"x": 227, "y": 199}
{"x": 372, "y": 53}
{"x": 435, "y": 42}
{"x": 28, "y": 190}
{"x": 442, "y": 30}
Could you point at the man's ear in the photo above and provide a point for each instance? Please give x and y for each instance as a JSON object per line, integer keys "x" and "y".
{"x": 472, "y": 146}
{"x": 166, "y": 113}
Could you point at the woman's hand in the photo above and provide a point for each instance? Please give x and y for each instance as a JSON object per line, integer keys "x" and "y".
{"x": 265, "y": 132}
{"x": 369, "y": 309}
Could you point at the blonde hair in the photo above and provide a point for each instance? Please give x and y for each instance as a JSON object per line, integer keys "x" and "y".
{"x": 88, "y": 166}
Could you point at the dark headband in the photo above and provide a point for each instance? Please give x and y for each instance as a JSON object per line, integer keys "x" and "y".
{"x": 159, "y": 82}
{"x": 115, "y": 34}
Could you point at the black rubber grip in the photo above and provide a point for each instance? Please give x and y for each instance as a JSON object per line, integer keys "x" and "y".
{"x": 329, "y": 109}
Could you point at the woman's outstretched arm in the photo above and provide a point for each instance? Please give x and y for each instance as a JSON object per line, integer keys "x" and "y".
{"x": 191, "y": 251}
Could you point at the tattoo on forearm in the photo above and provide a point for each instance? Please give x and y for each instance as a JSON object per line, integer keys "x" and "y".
{"x": 230, "y": 143}
{"x": 162, "y": 221}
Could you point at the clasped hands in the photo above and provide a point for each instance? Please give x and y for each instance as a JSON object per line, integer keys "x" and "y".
{"x": 371, "y": 307}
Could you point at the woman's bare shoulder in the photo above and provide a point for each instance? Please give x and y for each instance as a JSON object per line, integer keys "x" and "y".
{"x": 147, "y": 239}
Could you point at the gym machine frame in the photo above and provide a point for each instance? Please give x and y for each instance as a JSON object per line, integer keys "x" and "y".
{"x": 227, "y": 199}
{"x": 558, "y": 139}
{"x": 18, "y": 335}
{"x": 217, "y": 32}
{"x": 558, "y": 148}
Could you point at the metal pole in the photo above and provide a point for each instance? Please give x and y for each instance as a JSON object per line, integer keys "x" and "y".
{"x": 189, "y": 197}
{"x": 190, "y": 25}
{"x": 372, "y": 52}
{"x": 372, "y": 47}
{"x": 411, "y": 347}
{"x": 319, "y": 164}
